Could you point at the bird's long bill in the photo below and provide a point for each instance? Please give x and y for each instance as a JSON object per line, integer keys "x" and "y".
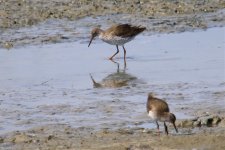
{"x": 90, "y": 41}
{"x": 175, "y": 127}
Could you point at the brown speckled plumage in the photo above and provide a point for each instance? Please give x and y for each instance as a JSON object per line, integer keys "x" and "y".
{"x": 158, "y": 110}
{"x": 156, "y": 104}
{"x": 117, "y": 35}
{"x": 124, "y": 30}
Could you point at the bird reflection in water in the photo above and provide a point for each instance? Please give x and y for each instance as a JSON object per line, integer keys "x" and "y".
{"x": 117, "y": 79}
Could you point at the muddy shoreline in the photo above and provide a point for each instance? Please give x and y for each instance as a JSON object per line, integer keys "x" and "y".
{"x": 31, "y": 12}
{"x": 66, "y": 137}
{"x": 35, "y": 21}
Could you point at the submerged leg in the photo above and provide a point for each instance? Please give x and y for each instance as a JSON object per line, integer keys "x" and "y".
{"x": 166, "y": 129}
{"x": 115, "y": 53}
{"x": 124, "y": 57}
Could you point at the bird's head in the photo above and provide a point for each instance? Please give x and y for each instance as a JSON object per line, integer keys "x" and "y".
{"x": 95, "y": 32}
{"x": 172, "y": 119}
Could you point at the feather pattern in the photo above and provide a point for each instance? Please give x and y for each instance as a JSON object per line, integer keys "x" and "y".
{"x": 117, "y": 35}
{"x": 157, "y": 108}
{"x": 115, "y": 40}
{"x": 120, "y": 34}
{"x": 124, "y": 30}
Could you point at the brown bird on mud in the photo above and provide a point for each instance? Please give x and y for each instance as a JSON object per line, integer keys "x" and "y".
{"x": 158, "y": 110}
{"x": 117, "y": 35}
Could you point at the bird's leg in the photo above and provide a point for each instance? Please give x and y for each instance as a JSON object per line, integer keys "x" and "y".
{"x": 166, "y": 129}
{"x": 124, "y": 57}
{"x": 124, "y": 53}
{"x": 115, "y": 53}
{"x": 157, "y": 127}
{"x": 175, "y": 127}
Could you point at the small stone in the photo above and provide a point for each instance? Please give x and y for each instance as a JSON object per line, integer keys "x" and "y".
{"x": 139, "y": 147}
{"x": 209, "y": 120}
{"x": 68, "y": 132}
{"x": 222, "y": 123}
{"x": 205, "y": 121}
{"x": 50, "y": 137}
{"x": 105, "y": 131}
{"x": 216, "y": 120}
{"x": 20, "y": 138}
{"x": 185, "y": 123}
{"x": 8, "y": 45}
{"x": 1, "y": 140}
{"x": 195, "y": 119}
{"x": 125, "y": 131}
{"x": 197, "y": 123}
{"x": 147, "y": 131}
{"x": 138, "y": 123}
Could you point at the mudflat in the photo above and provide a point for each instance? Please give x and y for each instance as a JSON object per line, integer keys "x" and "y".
{"x": 30, "y": 22}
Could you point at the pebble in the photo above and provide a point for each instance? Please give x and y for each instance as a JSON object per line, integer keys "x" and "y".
{"x": 125, "y": 131}
{"x": 20, "y": 138}
{"x": 8, "y": 45}
{"x": 1, "y": 140}
{"x": 208, "y": 121}
{"x": 185, "y": 123}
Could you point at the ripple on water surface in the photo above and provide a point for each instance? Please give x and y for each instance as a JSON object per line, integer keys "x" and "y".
{"x": 51, "y": 84}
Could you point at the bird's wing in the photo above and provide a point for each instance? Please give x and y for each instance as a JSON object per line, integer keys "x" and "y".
{"x": 125, "y": 30}
{"x": 161, "y": 104}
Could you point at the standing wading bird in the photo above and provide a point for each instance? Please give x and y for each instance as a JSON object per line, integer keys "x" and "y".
{"x": 158, "y": 110}
{"x": 117, "y": 35}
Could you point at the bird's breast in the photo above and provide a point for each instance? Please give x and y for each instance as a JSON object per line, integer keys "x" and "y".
{"x": 156, "y": 116}
{"x": 152, "y": 115}
{"x": 115, "y": 40}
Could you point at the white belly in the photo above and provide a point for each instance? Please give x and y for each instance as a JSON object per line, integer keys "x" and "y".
{"x": 152, "y": 115}
{"x": 116, "y": 40}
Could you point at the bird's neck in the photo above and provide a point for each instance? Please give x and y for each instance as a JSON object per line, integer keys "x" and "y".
{"x": 100, "y": 31}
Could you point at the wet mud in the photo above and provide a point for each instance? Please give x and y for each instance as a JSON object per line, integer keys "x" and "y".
{"x": 65, "y": 137}
{"x": 41, "y": 22}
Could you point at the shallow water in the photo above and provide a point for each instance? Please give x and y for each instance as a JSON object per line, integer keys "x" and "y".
{"x": 51, "y": 84}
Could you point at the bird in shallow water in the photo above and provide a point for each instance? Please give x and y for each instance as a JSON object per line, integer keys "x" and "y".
{"x": 117, "y": 35}
{"x": 158, "y": 110}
